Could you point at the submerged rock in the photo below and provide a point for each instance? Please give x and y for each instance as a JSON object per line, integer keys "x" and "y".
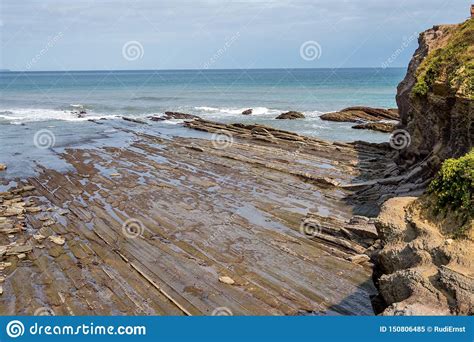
{"x": 173, "y": 115}
{"x": 134, "y": 120}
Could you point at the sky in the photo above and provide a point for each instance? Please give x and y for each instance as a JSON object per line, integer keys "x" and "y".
{"x": 39, "y": 35}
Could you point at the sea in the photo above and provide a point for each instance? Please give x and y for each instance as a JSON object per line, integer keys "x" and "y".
{"x": 50, "y": 100}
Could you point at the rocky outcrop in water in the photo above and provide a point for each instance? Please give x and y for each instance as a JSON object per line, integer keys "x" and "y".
{"x": 291, "y": 115}
{"x": 174, "y": 115}
{"x": 361, "y": 114}
{"x": 385, "y": 127}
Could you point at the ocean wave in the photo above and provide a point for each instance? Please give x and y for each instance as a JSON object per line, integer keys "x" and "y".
{"x": 313, "y": 114}
{"x": 216, "y": 111}
{"x": 237, "y": 111}
{"x": 20, "y": 115}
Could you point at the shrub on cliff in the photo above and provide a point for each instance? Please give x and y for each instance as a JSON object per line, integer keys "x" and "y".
{"x": 453, "y": 187}
{"x": 451, "y": 65}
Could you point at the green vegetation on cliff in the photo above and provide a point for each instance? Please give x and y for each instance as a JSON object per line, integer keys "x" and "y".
{"x": 453, "y": 187}
{"x": 451, "y": 65}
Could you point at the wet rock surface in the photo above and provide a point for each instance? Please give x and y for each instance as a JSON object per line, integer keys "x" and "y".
{"x": 184, "y": 225}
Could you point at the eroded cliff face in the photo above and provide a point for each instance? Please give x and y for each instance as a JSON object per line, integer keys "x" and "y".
{"x": 435, "y": 99}
{"x": 423, "y": 268}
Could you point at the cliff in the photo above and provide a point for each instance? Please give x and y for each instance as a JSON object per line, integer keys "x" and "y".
{"x": 426, "y": 263}
{"x": 435, "y": 99}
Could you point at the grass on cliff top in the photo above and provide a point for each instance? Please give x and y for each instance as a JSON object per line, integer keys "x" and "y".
{"x": 452, "y": 64}
{"x": 453, "y": 189}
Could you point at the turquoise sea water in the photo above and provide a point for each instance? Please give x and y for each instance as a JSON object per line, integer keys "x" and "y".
{"x": 36, "y": 101}
{"x": 196, "y": 91}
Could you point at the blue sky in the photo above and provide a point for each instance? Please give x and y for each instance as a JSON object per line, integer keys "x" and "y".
{"x": 93, "y": 35}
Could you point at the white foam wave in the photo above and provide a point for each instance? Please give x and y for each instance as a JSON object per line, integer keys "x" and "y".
{"x": 207, "y": 109}
{"x": 20, "y": 115}
{"x": 173, "y": 121}
{"x": 238, "y": 111}
{"x": 313, "y": 114}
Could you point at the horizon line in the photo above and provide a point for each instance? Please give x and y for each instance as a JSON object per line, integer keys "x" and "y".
{"x": 5, "y": 70}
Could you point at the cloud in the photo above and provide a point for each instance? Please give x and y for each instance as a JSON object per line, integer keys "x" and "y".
{"x": 184, "y": 33}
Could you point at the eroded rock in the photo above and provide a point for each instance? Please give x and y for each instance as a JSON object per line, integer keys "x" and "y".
{"x": 359, "y": 113}
{"x": 385, "y": 127}
{"x": 291, "y": 115}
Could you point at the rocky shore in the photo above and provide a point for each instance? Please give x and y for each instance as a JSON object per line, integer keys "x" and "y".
{"x": 247, "y": 217}
{"x": 188, "y": 225}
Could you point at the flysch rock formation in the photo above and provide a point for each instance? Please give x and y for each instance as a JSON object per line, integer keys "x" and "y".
{"x": 258, "y": 220}
{"x": 375, "y": 119}
{"x": 183, "y": 226}
{"x": 360, "y": 113}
